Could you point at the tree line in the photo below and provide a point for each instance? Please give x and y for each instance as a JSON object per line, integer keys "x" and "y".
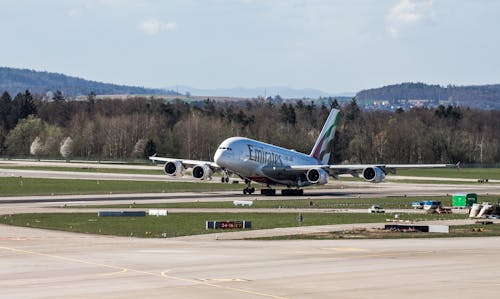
{"x": 134, "y": 128}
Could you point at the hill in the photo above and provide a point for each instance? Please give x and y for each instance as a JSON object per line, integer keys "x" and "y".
{"x": 477, "y": 96}
{"x": 16, "y": 80}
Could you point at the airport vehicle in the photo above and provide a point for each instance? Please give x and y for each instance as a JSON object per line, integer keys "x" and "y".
{"x": 417, "y": 204}
{"x": 429, "y": 205}
{"x": 376, "y": 209}
{"x": 270, "y": 165}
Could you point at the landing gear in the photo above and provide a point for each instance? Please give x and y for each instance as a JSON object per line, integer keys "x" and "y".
{"x": 292, "y": 192}
{"x": 248, "y": 189}
{"x": 225, "y": 177}
{"x": 268, "y": 192}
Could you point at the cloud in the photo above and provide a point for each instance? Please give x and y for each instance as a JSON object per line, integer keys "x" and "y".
{"x": 408, "y": 13}
{"x": 153, "y": 26}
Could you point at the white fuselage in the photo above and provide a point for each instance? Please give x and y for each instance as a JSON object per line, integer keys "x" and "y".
{"x": 249, "y": 159}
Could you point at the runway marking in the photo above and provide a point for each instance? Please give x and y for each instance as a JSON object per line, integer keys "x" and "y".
{"x": 114, "y": 273}
{"x": 68, "y": 259}
{"x": 206, "y": 283}
{"x": 122, "y": 270}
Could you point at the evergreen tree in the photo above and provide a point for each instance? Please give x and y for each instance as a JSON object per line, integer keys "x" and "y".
{"x": 149, "y": 149}
{"x": 5, "y": 103}
{"x": 61, "y": 115}
{"x": 28, "y": 106}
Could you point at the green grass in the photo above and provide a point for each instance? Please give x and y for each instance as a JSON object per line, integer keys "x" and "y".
{"x": 441, "y": 182}
{"x": 465, "y": 173}
{"x": 86, "y": 169}
{"x": 490, "y": 230}
{"x": 183, "y": 224}
{"x": 16, "y": 186}
{"x": 331, "y": 203}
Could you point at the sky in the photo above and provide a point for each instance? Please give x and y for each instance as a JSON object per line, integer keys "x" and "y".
{"x": 332, "y": 45}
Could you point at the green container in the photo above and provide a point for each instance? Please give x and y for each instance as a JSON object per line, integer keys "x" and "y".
{"x": 464, "y": 200}
{"x": 459, "y": 200}
{"x": 471, "y": 199}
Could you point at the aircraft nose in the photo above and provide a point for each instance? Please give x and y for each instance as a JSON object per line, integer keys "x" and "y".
{"x": 221, "y": 157}
{"x": 218, "y": 156}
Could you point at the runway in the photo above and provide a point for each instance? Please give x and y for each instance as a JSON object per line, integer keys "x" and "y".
{"x": 49, "y": 264}
{"x": 15, "y": 204}
{"x": 46, "y": 264}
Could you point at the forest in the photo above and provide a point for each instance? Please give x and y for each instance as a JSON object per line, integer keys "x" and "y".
{"x": 133, "y": 128}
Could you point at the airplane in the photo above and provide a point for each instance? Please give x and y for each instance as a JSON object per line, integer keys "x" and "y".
{"x": 272, "y": 165}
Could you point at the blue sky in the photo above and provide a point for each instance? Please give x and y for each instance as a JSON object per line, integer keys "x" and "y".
{"x": 332, "y": 45}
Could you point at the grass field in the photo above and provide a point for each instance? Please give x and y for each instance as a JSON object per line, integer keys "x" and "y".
{"x": 330, "y": 203}
{"x": 16, "y": 186}
{"x": 475, "y": 230}
{"x": 86, "y": 169}
{"x": 465, "y": 173}
{"x": 416, "y": 181}
{"x": 184, "y": 224}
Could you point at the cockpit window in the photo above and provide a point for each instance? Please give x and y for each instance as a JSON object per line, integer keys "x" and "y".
{"x": 225, "y": 148}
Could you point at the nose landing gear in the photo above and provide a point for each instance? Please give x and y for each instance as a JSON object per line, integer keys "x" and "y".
{"x": 225, "y": 177}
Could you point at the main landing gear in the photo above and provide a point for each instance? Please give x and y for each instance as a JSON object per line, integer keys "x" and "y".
{"x": 272, "y": 192}
{"x": 248, "y": 189}
{"x": 268, "y": 192}
{"x": 292, "y": 192}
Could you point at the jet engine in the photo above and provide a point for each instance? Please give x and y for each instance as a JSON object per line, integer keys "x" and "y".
{"x": 202, "y": 172}
{"x": 317, "y": 176}
{"x": 174, "y": 168}
{"x": 373, "y": 174}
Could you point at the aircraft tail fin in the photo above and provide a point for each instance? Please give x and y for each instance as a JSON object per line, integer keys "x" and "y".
{"x": 323, "y": 147}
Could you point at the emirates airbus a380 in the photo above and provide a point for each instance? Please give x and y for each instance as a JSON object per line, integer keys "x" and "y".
{"x": 270, "y": 165}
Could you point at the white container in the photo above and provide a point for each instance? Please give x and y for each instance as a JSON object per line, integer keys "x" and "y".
{"x": 474, "y": 210}
{"x": 484, "y": 210}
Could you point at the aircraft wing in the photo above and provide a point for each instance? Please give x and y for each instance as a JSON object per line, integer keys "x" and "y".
{"x": 357, "y": 169}
{"x": 185, "y": 162}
